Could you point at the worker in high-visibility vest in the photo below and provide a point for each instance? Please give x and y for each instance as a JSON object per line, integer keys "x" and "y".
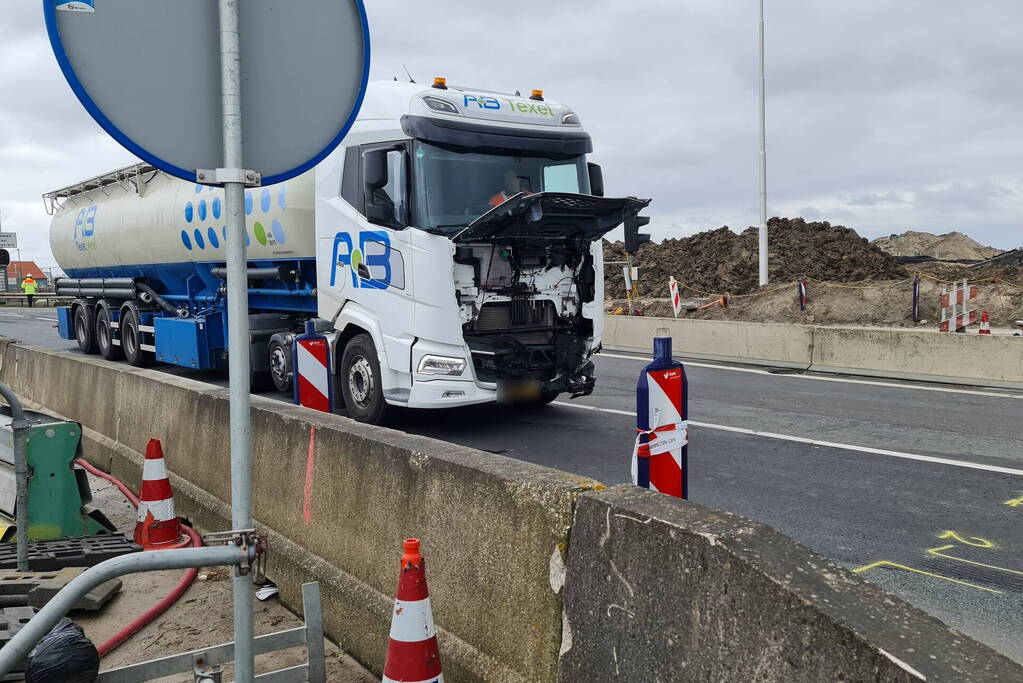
{"x": 512, "y": 186}
{"x": 28, "y": 285}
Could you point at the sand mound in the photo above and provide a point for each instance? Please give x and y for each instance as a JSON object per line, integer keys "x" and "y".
{"x": 951, "y": 245}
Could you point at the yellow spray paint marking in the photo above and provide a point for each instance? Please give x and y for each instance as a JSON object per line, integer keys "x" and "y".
{"x": 1015, "y": 502}
{"x": 937, "y": 552}
{"x": 893, "y": 565}
{"x": 975, "y": 541}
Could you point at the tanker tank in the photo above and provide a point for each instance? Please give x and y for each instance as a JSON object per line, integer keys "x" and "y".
{"x": 156, "y": 226}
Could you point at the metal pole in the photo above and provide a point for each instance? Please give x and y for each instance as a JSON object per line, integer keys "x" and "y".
{"x": 44, "y": 621}
{"x": 762, "y": 248}
{"x": 20, "y": 428}
{"x": 237, "y": 328}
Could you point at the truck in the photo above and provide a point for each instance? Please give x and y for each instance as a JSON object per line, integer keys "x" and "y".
{"x": 449, "y": 249}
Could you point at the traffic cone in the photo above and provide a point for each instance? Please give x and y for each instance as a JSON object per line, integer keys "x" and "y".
{"x": 157, "y": 527}
{"x": 985, "y": 324}
{"x": 412, "y": 654}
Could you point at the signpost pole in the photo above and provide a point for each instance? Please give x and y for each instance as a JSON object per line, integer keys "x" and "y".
{"x": 237, "y": 328}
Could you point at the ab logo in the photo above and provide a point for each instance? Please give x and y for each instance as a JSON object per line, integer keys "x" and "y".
{"x": 369, "y": 263}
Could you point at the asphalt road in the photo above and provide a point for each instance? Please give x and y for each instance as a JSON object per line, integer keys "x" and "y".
{"x": 917, "y": 487}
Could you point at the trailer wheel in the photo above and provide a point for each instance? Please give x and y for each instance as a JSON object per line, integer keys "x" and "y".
{"x": 280, "y": 364}
{"x": 131, "y": 339}
{"x": 359, "y": 377}
{"x": 85, "y": 333}
{"x": 105, "y": 336}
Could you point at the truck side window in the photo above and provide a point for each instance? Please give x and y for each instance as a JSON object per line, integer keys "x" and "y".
{"x": 389, "y": 201}
{"x": 350, "y": 180}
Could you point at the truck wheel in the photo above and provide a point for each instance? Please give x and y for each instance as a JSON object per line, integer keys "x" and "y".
{"x": 85, "y": 333}
{"x": 547, "y": 397}
{"x": 105, "y": 336}
{"x": 359, "y": 378}
{"x": 131, "y": 339}
{"x": 280, "y": 365}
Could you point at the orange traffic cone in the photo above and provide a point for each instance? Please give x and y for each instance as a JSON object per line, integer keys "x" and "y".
{"x": 157, "y": 527}
{"x": 985, "y": 324}
{"x": 412, "y": 654}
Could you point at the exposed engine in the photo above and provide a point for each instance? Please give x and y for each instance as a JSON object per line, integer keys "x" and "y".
{"x": 521, "y": 301}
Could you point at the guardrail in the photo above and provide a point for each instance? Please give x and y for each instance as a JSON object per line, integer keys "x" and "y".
{"x": 39, "y": 299}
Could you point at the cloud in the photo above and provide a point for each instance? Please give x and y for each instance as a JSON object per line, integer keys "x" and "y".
{"x": 882, "y": 116}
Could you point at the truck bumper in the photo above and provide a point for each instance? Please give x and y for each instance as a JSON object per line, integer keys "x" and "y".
{"x": 446, "y": 393}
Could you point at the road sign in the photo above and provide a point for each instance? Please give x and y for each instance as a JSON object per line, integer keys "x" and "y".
{"x": 149, "y": 72}
{"x": 8, "y": 240}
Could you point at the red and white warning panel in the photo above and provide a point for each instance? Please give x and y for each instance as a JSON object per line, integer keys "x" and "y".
{"x": 660, "y": 456}
{"x": 311, "y": 360}
{"x": 676, "y": 298}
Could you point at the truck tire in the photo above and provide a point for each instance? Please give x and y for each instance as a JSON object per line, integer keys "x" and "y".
{"x": 105, "y": 335}
{"x": 131, "y": 339}
{"x": 85, "y": 331}
{"x": 359, "y": 377}
{"x": 279, "y": 356}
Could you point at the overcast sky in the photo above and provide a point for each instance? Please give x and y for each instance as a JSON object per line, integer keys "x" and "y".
{"x": 882, "y": 116}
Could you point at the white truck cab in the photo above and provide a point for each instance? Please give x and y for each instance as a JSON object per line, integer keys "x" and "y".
{"x": 458, "y": 256}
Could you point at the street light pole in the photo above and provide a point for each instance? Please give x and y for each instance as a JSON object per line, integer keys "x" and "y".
{"x": 762, "y": 167}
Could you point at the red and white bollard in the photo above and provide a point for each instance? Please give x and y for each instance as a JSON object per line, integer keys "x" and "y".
{"x": 985, "y": 323}
{"x": 660, "y": 456}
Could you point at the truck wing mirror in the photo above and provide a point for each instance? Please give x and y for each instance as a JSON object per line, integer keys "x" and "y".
{"x": 374, "y": 170}
{"x": 596, "y": 179}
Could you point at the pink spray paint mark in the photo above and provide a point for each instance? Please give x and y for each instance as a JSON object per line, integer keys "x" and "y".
{"x": 307, "y": 506}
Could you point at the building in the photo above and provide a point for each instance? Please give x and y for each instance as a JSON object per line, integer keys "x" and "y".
{"x": 18, "y": 270}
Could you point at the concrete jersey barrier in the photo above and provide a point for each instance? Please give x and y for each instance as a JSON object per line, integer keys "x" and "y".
{"x": 663, "y": 590}
{"x": 970, "y": 359}
{"x": 692, "y": 593}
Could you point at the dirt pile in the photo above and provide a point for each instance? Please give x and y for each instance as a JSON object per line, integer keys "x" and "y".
{"x": 951, "y": 245}
{"x": 721, "y": 261}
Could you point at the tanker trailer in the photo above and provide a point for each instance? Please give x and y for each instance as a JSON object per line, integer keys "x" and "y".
{"x": 145, "y": 255}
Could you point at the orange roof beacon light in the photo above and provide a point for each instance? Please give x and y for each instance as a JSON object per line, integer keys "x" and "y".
{"x": 537, "y": 95}
{"x": 440, "y": 83}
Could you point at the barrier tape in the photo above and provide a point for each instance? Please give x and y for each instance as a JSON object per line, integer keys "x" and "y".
{"x": 677, "y": 436}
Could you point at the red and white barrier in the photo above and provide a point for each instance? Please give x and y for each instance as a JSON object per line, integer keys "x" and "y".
{"x": 311, "y": 360}
{"x": 957, "y": 299}
{"x": 412, "y": 652}
{"x": 157, "y": 526}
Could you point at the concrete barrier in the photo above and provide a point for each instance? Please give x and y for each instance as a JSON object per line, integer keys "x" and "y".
{"x": 765, "y": 344}
{"x": 916, "y": 354}
{"x": 970, "y": 359}
{"x": 657, "y": 589}
{"x": 336, "y": 499}
{"x": 660, "y": 590}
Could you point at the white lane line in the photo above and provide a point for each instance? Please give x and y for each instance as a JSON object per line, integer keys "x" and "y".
{"x": 816, "y": 442}
{"x": 12, "y": 315}
{"x": 820, "y": 378}
{"x": 52, "y": 320}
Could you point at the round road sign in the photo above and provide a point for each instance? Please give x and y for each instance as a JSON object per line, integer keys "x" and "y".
{"x": 149, "y": 72}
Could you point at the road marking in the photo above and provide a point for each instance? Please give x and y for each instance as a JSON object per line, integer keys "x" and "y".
{"x": 52, "y": 320}
{"x": 817, "y": 442}
{"x": 937, "y": 552}
{"x": 893, "y": 565}
{"x": 819, "y": 378}
{"x": 12, "y": 315}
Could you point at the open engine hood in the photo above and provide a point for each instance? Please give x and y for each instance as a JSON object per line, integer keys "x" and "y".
{"x": 552, "y": 216}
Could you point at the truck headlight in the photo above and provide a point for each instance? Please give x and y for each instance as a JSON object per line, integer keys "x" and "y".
{"x": 441, "y": 365}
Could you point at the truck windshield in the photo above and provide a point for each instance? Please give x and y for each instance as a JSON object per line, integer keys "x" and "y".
{"x": 455, "y": 186}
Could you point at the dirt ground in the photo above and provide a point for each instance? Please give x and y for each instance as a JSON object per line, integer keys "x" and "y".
{"x": 202, "y": 617}
{"x": 872, "y": 302}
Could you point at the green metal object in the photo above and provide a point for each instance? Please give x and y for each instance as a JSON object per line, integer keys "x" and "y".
{"x": 59, "y": 496}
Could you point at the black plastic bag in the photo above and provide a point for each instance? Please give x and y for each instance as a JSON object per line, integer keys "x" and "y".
{"x": 64, "y": 655}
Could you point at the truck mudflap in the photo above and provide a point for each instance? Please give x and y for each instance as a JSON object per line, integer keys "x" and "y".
{"x": 551, "y": 216}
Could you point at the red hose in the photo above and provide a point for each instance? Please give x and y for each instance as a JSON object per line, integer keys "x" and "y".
{"x": 159, "y": 608}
